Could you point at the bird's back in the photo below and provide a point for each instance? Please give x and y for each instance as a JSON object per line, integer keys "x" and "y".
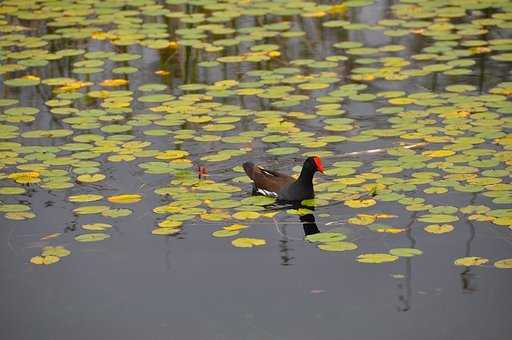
{"x": 267, "y": 180}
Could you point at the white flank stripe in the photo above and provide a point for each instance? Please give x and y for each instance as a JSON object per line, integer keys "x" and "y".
{"x": 267, "y": 193}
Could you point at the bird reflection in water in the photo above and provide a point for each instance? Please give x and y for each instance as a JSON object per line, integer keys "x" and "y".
{"x": 404, "y": 283}
{"x": 467, "y": 277}
{"x": 309, "y": 224}
{"x": 310, "y": 227}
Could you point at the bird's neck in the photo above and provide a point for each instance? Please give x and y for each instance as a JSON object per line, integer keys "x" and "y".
{"x": 306, "y": 176}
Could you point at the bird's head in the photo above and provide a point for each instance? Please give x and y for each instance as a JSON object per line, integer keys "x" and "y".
{"x": 316, "y": 163}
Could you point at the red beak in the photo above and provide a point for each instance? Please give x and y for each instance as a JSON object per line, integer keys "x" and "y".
{"x": 319, "y": 165}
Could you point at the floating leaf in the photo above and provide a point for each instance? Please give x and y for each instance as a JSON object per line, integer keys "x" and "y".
{"x": 115, "y": 213}
{"x": 360, "y": 203}
{"x": 225, "y": 233}
{"x": 19, "y": 216}
{"x": 390, "y": 230}
{"x": 233, "y": 227}
{"x": 326, "y": 237}
{"x": 93, "y": 237}
{"x": 376, "y": 258}
{"x": 405, "y": 252}
{"x": 125, "y": 198}
{"x": 258, "y": 200}
{"x": 246, "y": 215}
{"x": 282, "y": 151}
{"x": 12, "y": 191}
{"x": 439, "y": 153}
{"x": 362, "y": 219}
{"x": 338, "y": 246}
{"x": 28, "y": 80}
{"x": 91, "y": 178}
{"x": 165, "y": 231}
{"x": 29, "y": 177}
{"x": 224, "y": 204}
{"x": 439, "y": 228}
{"x": 91, "y": 209}
{"x": 85, "y": 198}
{"x": 47, "y": 260}
{"x": 245, "y": 242}
{"x": 221, "y": 216}
{"x": 96, "y": 226}
{"x": 50, "y": 236}
{"x": 58, "y": 251}
{"x": 438, "y": 218}
{"x": 470, "y": 261}
{"x": 503, "y": 264}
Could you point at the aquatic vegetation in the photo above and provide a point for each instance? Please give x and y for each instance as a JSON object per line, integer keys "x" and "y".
{"x": 413, "y": 127}
{"x": 50, "y": 255}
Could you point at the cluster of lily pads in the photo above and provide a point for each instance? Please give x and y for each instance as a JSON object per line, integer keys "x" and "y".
{"x": 451, "y": 139}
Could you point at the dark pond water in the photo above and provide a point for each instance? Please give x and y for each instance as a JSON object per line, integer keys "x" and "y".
{"x": 406, "y": 102}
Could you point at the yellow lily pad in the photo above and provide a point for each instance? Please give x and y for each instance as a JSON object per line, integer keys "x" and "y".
{"x": 90, "y": 209}
{"x": 235, "y": 227}
{"x": 376, "y": 258}
{"x": 96, "y": 226}
{"x": 405, "y": 252}
{"x": 93, "y": 237}
{"x": 170, "y": 224}
{"x": 171, "y": 154}
{"x": 225, "y": 233}
{"x": 50, "y": 236}
{"x": 165, "y": 231}
{"x": 47, "y": 260}
{"x": 503, "y": 264}
{"x": 390, "y": 230}
{"x": 362, "y": 219}
{"x": 470, "y": 261}
{"x": 125, "y": 198}
{"x": 246, "y": 215}
{"x": 360, "y": 203}
{"x": 245, "y": 242}
{"x": 338, "y": 246}
{"x": 59, "y": 251}
{"x": 29, "y": 177}
{"x": 86, "y": 178}
{"x": 439, "y": 228}
{"x": 19, "y": 216}
{"x": 217, "y": 216}
{"x": 438, "y": 153}
{"x": 85, "y": 198}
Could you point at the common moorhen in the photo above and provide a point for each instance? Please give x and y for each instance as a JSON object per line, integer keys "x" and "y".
{"x": 284, "y": 187}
